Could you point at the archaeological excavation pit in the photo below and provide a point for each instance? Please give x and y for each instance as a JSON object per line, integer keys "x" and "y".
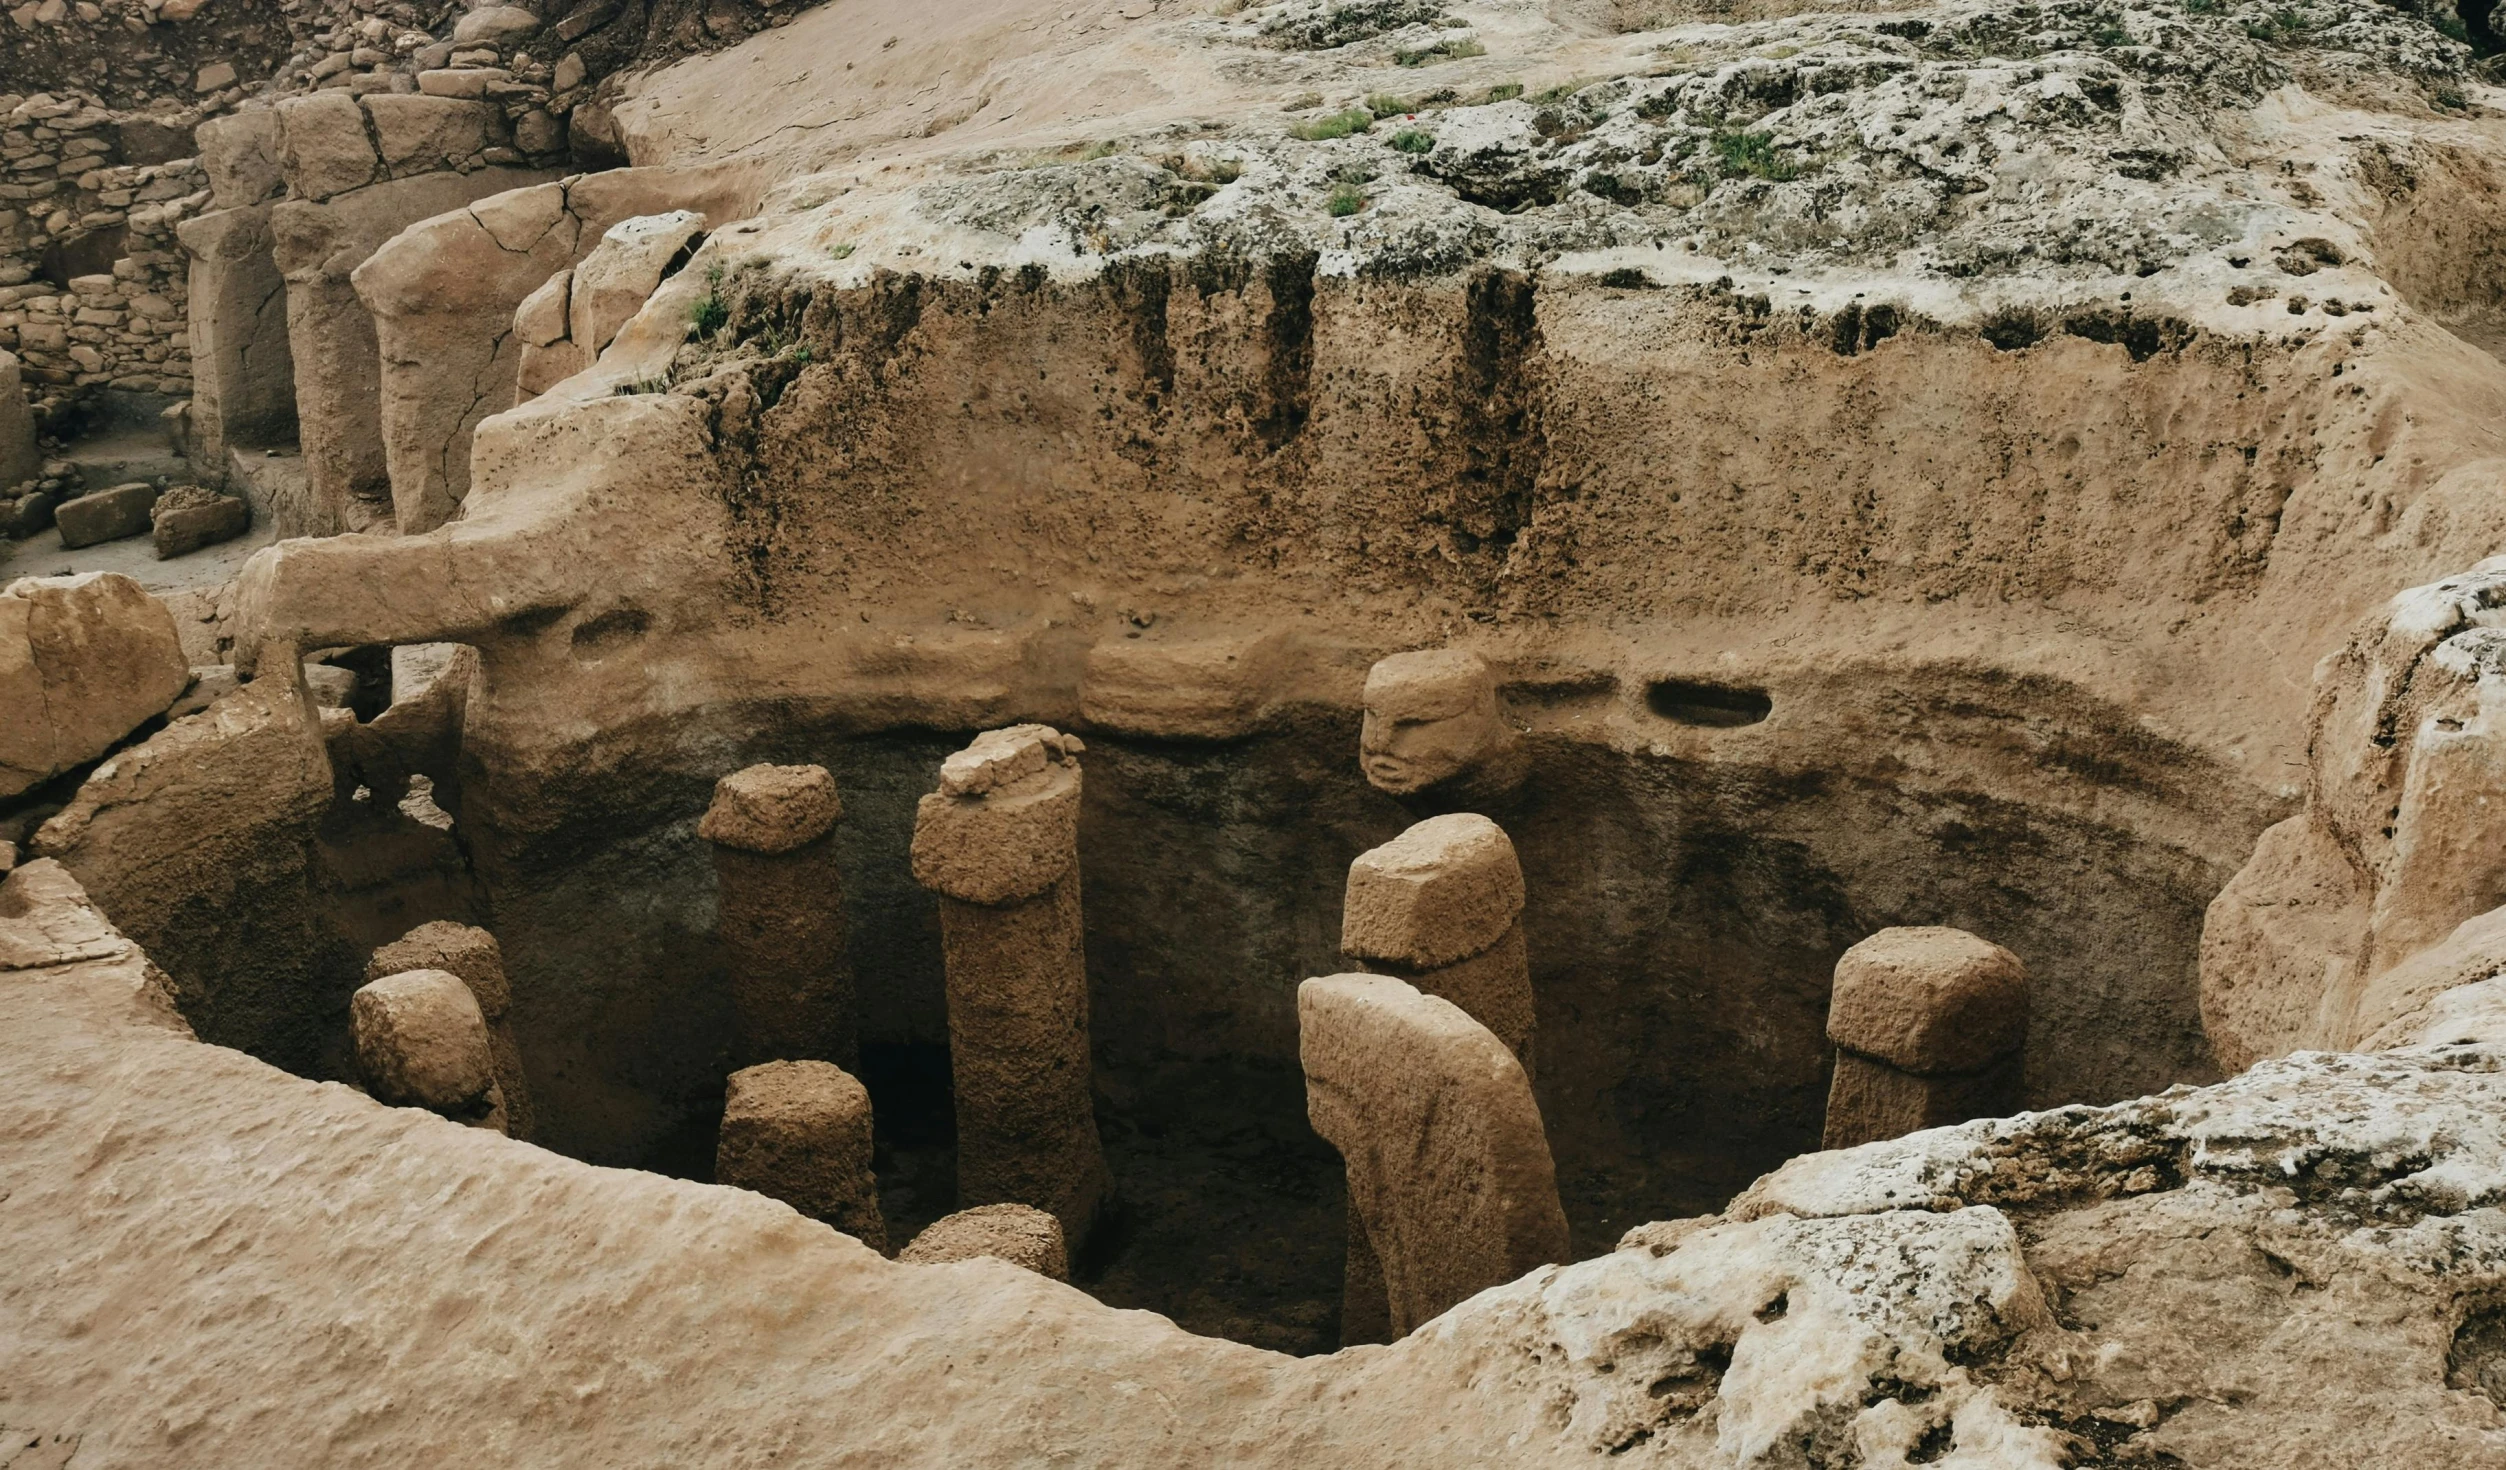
{"x": 1307, "y": 733}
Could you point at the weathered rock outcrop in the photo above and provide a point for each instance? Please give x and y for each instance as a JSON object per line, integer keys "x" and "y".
{"x": 2396, "y": 847}
{"x": 443, "y": 295}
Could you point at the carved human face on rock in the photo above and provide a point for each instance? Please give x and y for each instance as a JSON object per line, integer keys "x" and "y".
{"x": 1431, "y": 719}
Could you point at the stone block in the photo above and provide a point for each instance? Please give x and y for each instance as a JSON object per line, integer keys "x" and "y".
{"x": 29, "y": 514}
{"x": 463, "y": 949}
{"x": 240, "y": 153}
{"x": 83, "y": 660}
{"x": 1448, "y": 888}
{"x": 621, "y": 273}
{"x": 421, "y": 1042}
{"x": 1019, "y": 1234}
{"x": 1930, "y": 1001}
{"x": 494, "y": 25}
{"x": 186, "y": 522}
{"x": 1009, "y": 837}
{"x": 21, "y": 457}
{"x": 323, "y": 146}
{"x": 420, "y": 134}
{"x": 1448, "y": 1164}
{"x": 105, "y": 515}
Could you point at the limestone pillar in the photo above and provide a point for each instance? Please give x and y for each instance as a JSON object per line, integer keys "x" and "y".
{"x": 474, "y": 957}
{"x": 780, "y": 914}
{"x": 999, "y": 843}
{"x": 1930, "y": 1027}
{"x": 1018, "y": 1234}
{"x": 1447, "y": 1161}
{"x": 421, "y": 1043}
{"x": 243, "y": 370}
{"x": 1441, "y": 906}
{"x": 800, "y": 1132}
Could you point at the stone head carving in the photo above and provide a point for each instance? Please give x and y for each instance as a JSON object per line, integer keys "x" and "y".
{"x": 1432, "y": 725}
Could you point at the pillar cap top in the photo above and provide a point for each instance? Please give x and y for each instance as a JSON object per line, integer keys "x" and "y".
{"x": 1929, "y": 1000}
{"x": 772, "y": 809}
{"x": 1446, "y": 889}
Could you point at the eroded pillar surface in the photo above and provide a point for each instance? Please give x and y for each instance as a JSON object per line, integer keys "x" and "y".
{"x": 800, "y": 1132}
{"x": 999, "y": 844}
{"x": 472, "y": 955}
{"x": 780, "y": 913}
{"x": 1448, "y": 1165}
{"x": 1930, "y": 1026}
{"x": 422, "y": 1043}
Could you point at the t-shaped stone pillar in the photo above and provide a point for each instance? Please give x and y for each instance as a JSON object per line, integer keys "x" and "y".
{"x": 422, "y": 1043}
{"x": 474, "y": 956}
{"x": 779, "y": 914}
{"x": 999, "y": 843}
{"x": 1930, "y": 1026}
{"x": 1441, "y": 906}
{"x": 1018, "y": 1234}
{"x": 800, "y": 1132}
{"x": 1435, "y": 1121}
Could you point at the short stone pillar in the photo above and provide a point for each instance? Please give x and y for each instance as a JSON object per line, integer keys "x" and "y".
{"x": 421, "y": 1043}
{"x": 1441, "y": 906}
{"x": 1434, "y": 1119}
{"x": 800, "y": 1132}
{"x": 473, "y": 955}
{"x": 999, "y": 843}
{"x": 1019, "y": 1234}
{"x": 779, "y": 914}
{"x": 1930, "y": 1027}
{"x": 1433, "y": 731}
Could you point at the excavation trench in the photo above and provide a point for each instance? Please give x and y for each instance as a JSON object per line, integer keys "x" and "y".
{"x": 1806, "y": 637}
{"x": 1686, "y": 910}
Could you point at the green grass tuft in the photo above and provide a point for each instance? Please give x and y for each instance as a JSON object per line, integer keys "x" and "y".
{"x": 1752, "y": 155}
{"x": 1337, "y": 125}
{"x": 1345, "y": 200}
{"x": 843, "y": 251}
{"x": 1411, "y": 140}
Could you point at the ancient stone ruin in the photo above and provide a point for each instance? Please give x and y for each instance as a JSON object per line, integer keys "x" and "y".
{"x": 1253, "y": 732}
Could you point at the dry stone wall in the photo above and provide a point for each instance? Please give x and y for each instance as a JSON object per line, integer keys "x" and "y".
{"x": 93, "y": 289}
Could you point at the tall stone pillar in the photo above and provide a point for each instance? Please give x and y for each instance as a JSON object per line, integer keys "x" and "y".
{"x": 474, "y": 956}
{"x": 1930, "y": 1027}
{"x": 1441, "y": 906}
{"x": 779, "y": 910}
{"x": 800, "y": 1132}
{"x": 999, "y": 843}
{"x": 1448, "y": 1164}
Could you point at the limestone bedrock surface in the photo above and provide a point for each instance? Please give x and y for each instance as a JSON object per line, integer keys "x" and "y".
{"x": 2298, "y": 1266}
